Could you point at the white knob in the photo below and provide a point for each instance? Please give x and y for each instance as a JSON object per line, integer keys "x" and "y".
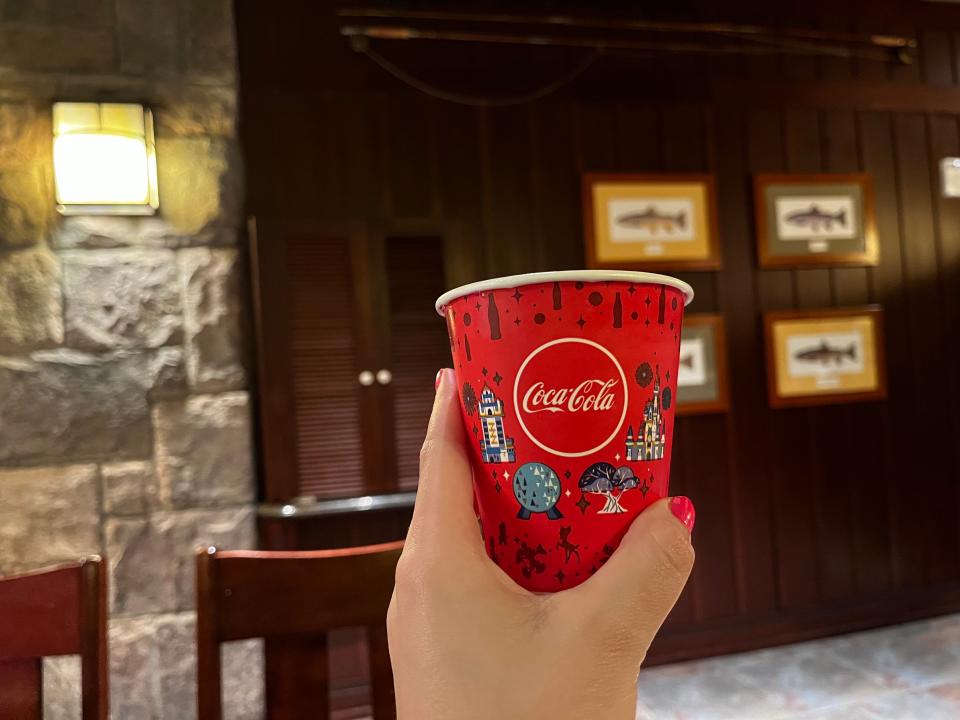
{"x": 384, "y": 376}
{"x": 365, "y": 378}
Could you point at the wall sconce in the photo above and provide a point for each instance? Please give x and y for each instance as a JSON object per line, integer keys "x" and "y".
{"x": 950, "y": 177}
{"x": 104, "y": 160}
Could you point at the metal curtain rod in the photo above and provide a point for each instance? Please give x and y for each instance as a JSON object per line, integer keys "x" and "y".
{"x": 393, "y": 32}
{"x": 877, "y": 40}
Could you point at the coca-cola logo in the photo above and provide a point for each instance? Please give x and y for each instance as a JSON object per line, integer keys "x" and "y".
{"x": 571, "y": 397}
{"x": 591, "y": 394}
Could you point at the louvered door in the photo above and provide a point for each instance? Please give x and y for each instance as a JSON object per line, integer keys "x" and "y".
{"x": 320, "y": 414}
{"x": 325, "y": 366}
{"x": 348, "y": 347}
{"x": 418, "y": 344}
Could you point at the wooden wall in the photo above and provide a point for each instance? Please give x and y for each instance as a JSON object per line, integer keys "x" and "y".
{"x": 810, "y": 520}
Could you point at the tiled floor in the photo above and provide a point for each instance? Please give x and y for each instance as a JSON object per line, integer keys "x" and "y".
{"x": 907, "y": 672}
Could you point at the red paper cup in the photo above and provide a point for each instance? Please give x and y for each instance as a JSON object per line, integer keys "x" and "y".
{"x": 567, "y": 383}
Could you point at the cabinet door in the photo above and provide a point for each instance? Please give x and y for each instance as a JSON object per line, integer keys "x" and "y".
{"x": 415, "y": 345}
{"x": 319, "y": 423}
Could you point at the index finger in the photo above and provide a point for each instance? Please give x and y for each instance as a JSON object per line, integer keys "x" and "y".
{"x": 443, "y": 512}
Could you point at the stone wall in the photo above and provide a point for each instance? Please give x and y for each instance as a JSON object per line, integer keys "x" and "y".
{"x": 124, "y": 419}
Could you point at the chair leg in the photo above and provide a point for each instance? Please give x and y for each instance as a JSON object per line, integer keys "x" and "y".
{"x": 209, "y": 691}
{"x": 209, "y": 673}
{"x": 93, "y": 640}
{"x": 381, "y": 674}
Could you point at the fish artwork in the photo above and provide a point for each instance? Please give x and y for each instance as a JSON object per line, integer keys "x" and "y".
{"x": 826, "y": 354}
{"x": 816, "y": 219}
{"x": 653, "y": 221}
{"x": 686, "y": 361}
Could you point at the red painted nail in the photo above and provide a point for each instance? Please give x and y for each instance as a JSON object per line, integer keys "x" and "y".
{"x": 683, "y": 510}
{"x": 436, "y": 382}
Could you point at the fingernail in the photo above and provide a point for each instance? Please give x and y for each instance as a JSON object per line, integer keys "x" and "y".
{"x": 440, "y": 373}
{"x": 683, "y": 510}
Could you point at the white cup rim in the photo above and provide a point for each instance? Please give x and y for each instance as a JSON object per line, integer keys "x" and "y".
{"x": 512, "y": 281}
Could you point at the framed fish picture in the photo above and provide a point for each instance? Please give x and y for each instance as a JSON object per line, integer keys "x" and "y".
{"x": 641, "y": 221}
{"x": 702, "y": 383}
{"x": 815, "y": 219}
{"x": 817, "y": 357}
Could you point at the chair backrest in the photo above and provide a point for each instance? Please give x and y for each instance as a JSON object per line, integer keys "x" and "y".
{"x": 57, "y": 611}
{"x": 292, "y": 600}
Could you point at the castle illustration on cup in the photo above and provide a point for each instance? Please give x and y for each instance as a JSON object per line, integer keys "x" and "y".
{"x": 650, "y": 441}
{"x": 495, "y": 446}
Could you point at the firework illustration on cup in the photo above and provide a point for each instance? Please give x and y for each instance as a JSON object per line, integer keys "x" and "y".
{"x": 567, "y": 383}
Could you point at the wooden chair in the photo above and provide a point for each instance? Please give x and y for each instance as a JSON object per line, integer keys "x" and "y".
{"x": 58, "y": 611}
{"x": 292, "y": 600}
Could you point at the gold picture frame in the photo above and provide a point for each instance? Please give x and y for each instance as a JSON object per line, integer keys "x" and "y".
{"x": 817, "y": 357}
{"x": 824, "y": 219}
{"x": 650, "y": 221}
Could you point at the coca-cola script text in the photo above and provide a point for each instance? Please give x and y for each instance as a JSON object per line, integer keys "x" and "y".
{"x": 591, "y": 394}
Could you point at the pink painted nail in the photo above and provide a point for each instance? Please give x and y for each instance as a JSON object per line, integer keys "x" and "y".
{"x": 682, "y": 509}
{"x": 436, "y": 382}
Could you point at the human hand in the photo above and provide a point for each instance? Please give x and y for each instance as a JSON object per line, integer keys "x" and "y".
{"x": 466, "y": 642}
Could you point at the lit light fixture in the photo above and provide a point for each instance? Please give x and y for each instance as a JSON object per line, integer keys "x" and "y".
{"x": 104, "y": 160}
{"x": 950, "y": 177}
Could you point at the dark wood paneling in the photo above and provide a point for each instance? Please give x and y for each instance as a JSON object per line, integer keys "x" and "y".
{"x": 409, "y": 143}
{"x": 507, "y": 190}
{"x": 925, "y": 350}
{"x": 856, "y": 519}
{"x": 360, "y": 123}
{"x": 556, "y": 187}
{"x": 916, "y": 226}
{"x": 805, "y": 514}
{"x": 944, "y": 142}
{"x": 460, "y": 170}
{"x": 737, "y": 298}
{"x": 736, "y": 634}
{"x": 875, "y": 140}
{"x": 936, "y": 57}
{"x": 798, "y": 464}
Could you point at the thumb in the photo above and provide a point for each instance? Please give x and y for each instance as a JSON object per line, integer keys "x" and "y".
{"x": 643, "y": 578}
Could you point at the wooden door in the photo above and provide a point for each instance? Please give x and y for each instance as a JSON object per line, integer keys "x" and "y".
{"x": 320, "y": 414}
{"x": 414, "y": 345}
{"x": 349, "y": 345}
